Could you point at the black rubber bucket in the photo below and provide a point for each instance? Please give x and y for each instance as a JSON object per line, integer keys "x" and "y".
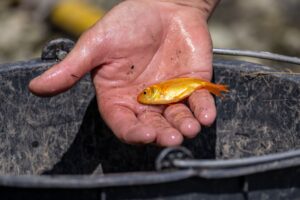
{"x": 60, "y": 147}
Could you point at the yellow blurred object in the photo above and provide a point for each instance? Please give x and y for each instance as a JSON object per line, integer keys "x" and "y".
{"x": 75, "y": 16}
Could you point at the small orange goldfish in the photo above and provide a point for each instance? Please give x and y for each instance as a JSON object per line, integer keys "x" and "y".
{"x": 175, "y": 90}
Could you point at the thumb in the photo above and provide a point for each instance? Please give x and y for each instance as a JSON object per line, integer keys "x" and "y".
{"x": 87, "y": 54}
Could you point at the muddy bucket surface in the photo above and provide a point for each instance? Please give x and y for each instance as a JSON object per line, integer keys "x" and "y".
{"x": 60, "y": 146}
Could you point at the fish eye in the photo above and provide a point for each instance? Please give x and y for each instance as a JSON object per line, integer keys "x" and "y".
{"x": 147, "y": 91}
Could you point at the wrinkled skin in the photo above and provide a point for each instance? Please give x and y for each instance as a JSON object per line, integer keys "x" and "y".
{"x": 136, "y": 44}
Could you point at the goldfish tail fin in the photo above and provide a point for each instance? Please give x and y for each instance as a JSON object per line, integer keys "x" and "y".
{"x": 217, "y": 89}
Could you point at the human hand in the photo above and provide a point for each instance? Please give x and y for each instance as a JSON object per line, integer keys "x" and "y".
{"x": 138, "y": 43}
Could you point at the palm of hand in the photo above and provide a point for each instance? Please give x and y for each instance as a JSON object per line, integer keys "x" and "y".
{"x": 147, "y": 49}
{"x": 138, "y": 44}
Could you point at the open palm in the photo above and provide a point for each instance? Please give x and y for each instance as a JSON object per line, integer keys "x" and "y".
{"x": 136, "y": 44}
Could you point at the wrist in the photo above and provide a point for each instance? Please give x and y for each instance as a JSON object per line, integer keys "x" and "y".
{"x": 206, "y": 7}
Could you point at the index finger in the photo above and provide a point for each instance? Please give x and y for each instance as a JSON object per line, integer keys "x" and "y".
{"x": 126, "y": 126}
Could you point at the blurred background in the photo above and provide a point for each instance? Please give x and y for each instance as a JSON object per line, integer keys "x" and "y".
{"x": 264, "y": 25}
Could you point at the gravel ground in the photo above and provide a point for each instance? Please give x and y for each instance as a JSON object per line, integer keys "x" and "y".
{"x": 256, "y": 25}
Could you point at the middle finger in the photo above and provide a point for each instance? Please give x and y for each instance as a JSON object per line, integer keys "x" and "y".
{"x": 180, "y": 116}
{"x": 166, "y": 134}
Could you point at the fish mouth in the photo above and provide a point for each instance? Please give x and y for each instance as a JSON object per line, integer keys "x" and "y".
{"x": 140, "y": 99}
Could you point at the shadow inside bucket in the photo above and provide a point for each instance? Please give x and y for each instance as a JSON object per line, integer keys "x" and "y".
{"x": 95, "y": 149}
